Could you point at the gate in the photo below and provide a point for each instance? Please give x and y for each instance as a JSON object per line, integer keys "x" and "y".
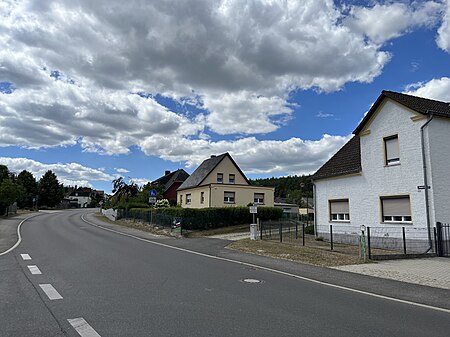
{"x": 442, "y": 239}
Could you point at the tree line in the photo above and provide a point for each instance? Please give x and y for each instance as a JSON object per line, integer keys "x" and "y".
{"x": 24, "y": 189}
{"x": 294, "y": 189}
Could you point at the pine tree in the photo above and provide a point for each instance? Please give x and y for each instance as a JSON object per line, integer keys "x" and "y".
{"x": 51, "y": 192}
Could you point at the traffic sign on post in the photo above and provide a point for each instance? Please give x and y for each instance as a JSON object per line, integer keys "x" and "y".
{"x": 152, "y": 193}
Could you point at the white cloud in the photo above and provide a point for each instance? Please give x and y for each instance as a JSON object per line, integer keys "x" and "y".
{"x": 383, "y": 22}
{"x": 241, "y": 57}
{"x": 121, "y": 170}
{"x": 443, "y": 37}
{"x": 68, "y": 174}
{"x": 322, "y": 114}
{"x": 140, "y": 181}
{"x": 292, "y": 156}
{"x": 438, "y": 89}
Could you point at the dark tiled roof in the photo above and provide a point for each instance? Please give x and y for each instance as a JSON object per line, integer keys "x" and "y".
{"x": 202, "y": 171}
{"x": 346, "y": 161}
{"x": 205, "y": 168}
{"x": 418, "y": 104}
{"x": 168, "y": 179}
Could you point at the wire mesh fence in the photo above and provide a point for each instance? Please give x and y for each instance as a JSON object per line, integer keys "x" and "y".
{"x": 155, "y": 220}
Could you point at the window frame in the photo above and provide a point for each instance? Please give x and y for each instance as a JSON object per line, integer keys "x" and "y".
{"x": 395, "y": 219}
{"x": 258, "y": 202}
{"x": 340, "y": 216}
{"x": 188, "y": 198}
{"x": 225, "y": 201}
{"x": 220, "y": 180}
{"x": 234, "y": 178}
{"x": 202, "y": 197}
{"x": 393, "y": 161}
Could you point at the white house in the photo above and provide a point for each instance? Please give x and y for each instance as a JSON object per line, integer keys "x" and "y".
{"x": 378, "y": 178}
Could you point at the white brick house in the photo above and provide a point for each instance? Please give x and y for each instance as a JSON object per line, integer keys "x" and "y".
{"x": 378, "y": 177}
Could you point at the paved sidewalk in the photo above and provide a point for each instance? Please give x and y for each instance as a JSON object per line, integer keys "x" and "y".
{"x": 433, "y": 272}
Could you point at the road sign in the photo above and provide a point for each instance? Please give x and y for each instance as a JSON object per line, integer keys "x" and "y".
{"x": 253, "y": 209}
{"x": 152, "y": 193}
{"x": 152, "y": 200}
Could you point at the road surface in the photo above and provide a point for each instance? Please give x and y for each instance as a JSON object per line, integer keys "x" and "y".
{"x": 70, "y": 278}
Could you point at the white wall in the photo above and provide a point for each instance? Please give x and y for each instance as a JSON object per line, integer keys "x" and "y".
{"x": 439, "y": 141}
{"x": 364, "y": 191}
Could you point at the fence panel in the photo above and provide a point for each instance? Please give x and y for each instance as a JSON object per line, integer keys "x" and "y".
{"x": 443, "y": 239}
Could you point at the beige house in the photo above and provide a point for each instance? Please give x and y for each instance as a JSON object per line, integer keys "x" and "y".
{"x": 219, "y": 182}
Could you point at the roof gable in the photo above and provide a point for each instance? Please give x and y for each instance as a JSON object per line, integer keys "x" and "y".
{"x": 168, "y": 180}
{"x": 205, "y": 169}
{"x": 423, "y": 106}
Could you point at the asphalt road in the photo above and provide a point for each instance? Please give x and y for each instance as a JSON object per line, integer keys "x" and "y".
{"x": 115, "y": 285}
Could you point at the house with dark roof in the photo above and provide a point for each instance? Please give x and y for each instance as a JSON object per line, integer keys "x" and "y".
{"x": 219, "y": 182}
{"x": 392, "y": 174}
{"x": 170, "y": 182}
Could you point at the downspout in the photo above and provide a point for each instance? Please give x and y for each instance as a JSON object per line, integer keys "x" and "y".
{"x": 315, "y": 208}
{"x": 425, "y": 179}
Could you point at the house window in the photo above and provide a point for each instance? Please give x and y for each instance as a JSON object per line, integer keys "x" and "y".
{"x": 231, "y": 178}
{"x": 202, "y": 197}
{"x": 181, "y": 199}
{"x": 391, "y": 150}
{"x": 339, "y": 210}
{"x": 188, "y": 199}
{"x": 396, "y": 209}
{"x": 228, "y": 197}
{"x": 220, "y": 178}
{"x": 258, "y": 198}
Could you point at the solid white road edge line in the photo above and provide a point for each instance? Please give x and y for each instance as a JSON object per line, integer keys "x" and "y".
{"x": 19, "y": 240}
{"x": 25, "y": 257}
{"x": 34, "y": 270}
{"x": 82, "y": 327}
{"x": 272, "y": 270}
{"x": 51, "y": 292}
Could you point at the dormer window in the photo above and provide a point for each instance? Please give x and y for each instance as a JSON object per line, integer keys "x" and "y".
{"x": 220, "y": 178}
{"x": 391, "y": 150}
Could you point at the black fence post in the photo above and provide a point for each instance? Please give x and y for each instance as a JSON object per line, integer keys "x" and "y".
{"x": 331, "y": 236}
{"x": 296, "y": 231}
{"x": 404, "y": 240}
{"x": 435, "y": 240}
{"x": 439, "y": 248}
{"x": 303, "y": 234}
{"x": 281, "y": 231}
{"x": 368, "y": 243}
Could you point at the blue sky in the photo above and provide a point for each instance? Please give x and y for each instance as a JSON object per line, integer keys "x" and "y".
{"x": 94, "y": 91}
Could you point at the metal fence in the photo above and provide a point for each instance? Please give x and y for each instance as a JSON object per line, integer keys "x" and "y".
{"x": 283, "y": 230}
{"x": 154, "y": 220}
{"x": 380, "y": 242}
{"x": 442, "y": 238}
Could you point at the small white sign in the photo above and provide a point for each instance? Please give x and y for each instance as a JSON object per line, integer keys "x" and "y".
{"x": 253, "y": 209}
{"x": 152, "y": 200}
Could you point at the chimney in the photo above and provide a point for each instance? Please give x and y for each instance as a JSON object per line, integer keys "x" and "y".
{"x": 166, "y": 172}
{"x": 213, "y": 156}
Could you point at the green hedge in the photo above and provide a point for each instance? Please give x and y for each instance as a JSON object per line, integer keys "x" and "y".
{"x": 205, "y": 218}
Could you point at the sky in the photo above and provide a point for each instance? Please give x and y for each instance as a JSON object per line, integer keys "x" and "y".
{"x": 94, "y": 90}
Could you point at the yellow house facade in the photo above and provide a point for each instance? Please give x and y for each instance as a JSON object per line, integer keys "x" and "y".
{"x": 219, "y": 182}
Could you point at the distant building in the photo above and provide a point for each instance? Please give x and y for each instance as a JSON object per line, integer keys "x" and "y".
{"x": 170, "y": 182}
{"x": 219, "y": 182}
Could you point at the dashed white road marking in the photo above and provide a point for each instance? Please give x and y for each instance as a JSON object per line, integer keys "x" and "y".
{"x": 82, "y": 327}
{"x": 51, "y": 292}
{"x": 25, "y": 257}
{"x": 34, "y": 270}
